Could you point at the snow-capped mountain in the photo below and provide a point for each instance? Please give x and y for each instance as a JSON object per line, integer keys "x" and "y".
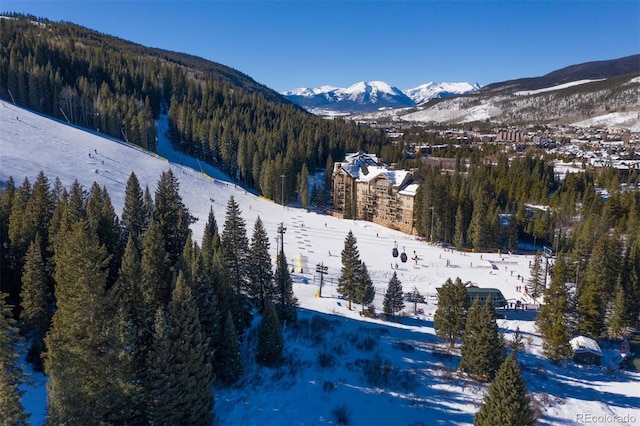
{"x": 427, "y": 91}
{"x": 615, "y": 100}
{"x": 364, "y": 96}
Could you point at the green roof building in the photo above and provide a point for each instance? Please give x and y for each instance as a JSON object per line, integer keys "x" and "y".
{"x": 493, "y": 294}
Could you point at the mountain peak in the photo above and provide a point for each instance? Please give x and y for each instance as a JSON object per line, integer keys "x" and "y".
{"x": 432, "y": 90}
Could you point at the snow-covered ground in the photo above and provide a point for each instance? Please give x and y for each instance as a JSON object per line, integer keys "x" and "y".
{"x": 627, "y": 119}
{"x": 552, "y": 88}
{"x": 330, "y": 353}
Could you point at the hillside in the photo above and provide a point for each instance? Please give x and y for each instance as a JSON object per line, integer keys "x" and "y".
{"x": 595, "y": 70}
{"x": 331, "y": 357}
{"x": 215, "y": 113}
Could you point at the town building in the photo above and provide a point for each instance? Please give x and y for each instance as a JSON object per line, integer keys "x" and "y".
{"x": 364, "y": 188}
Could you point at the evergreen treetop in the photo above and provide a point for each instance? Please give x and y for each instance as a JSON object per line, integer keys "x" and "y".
{"x": 507, "y": 402}
{"x": 482, "y": 346}
{"x": 449, "y": 318}
{"x": 393, "y": 298}
{"x": 349, "y": 273}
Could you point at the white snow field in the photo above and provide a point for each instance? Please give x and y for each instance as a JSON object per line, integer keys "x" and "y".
{"x": 328, "y": 372}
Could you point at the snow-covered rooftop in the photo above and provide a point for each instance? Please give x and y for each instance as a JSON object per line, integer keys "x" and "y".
{"x": 581, "y": 344}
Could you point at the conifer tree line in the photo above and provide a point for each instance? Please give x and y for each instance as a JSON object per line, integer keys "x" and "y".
{"x": 489, "y": 206}
{"x": 215, "y": 113}
{"x": 131, "y": 319}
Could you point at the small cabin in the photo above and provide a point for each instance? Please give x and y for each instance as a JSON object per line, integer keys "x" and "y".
{"x": 586, "y": 350}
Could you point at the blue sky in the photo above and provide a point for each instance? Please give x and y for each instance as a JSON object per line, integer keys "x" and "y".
{"x": 291, "y": 44}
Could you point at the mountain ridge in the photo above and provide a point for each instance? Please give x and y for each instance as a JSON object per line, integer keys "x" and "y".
{"x": 369, "y": 96}
{"x": 552, "y": 98}
{"x": 593, "y": 70}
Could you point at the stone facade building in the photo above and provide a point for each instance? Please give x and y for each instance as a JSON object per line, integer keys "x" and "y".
{"x": 365, "y": 189}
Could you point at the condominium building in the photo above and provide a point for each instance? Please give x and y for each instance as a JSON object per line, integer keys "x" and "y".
{"x": 363, "y": 188}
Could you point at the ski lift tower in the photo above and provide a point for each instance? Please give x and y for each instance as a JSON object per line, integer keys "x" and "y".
{"x": 547, "y": 252}
{"x": 415, "y": 296}
{"x": 321, "y": 269}
{"x": 281, "y": 231}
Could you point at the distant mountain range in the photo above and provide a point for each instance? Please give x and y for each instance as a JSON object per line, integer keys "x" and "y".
{"x": 370, "y": 96}
{"x": 600, "y": 90}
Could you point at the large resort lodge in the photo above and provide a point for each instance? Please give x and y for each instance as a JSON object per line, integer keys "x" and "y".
{"x": 363, "y": 188}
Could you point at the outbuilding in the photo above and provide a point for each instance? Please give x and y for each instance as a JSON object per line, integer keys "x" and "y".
{"x": 586, "y": 350}
{"x": 484, "y": 294}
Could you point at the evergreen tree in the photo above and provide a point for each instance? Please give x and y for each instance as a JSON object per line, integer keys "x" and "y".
{"x": 506, "y": 403}
{"x": 261, "y": 287}
{"x": 632, "y": 287}
{"x": 134, "y": 218}
{"x": 482, "y": 347}
{"x": 480, "y": 230}
{"x": 449, "y": 318}
{"x": 597, "y": 291}
{"x": 591, "y": 313}
{"x": 285, "y": 301}
{"x": 459, "y": 235}
{"x": 236, "y": 256}
{"x": 204, "y": 294}
{"x": 626, "y": 304}
{"x": 551, "y": 320}
{"x": 87, "y": 381}
{"x": 105, "y": 224}
{"x": 393, "y": 302}
{"x": 148, "y": 205}
{"x": 127, "y": 294}
{"x": 270, "y": 341}
{"x": 20, "y": 231}
{"x": 39, "y": 210}
{"x": 172, "y": 216}
{"x": 156, "y": 270}
{"x": 616, "y": 321}
{"x": 516, "y": 344}
{"x": 74, "y": 211}
{"x": 236, "y": 246}
{"x": 364, "y": 291}
{"x": 303, "y": 186}
{"x": 7, "y": 257}
{"x": 536, "y": 281}
{"x": 210, "y": 241}
{"x": 348, "y": 280}
{"x": 180, "y": 376}
{"x": 11, "y": 374}
{"x": 35, "y": 313}
{"x": 228, "y": 359}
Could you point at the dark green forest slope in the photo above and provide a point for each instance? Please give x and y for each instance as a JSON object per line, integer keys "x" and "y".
{"x": 216, "y": 113}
